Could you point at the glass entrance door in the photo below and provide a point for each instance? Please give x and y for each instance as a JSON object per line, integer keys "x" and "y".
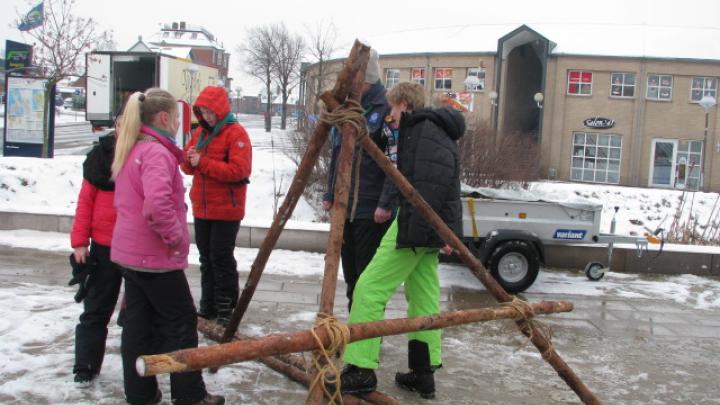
{"x": 662, "y": 170}
{"x": 676, "y": 164}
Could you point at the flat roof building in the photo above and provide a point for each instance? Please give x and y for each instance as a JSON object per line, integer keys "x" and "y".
{"x": 606, "y": 104}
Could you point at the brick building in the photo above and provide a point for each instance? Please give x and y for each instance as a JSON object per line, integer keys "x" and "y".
{"x": 607, "y": 104}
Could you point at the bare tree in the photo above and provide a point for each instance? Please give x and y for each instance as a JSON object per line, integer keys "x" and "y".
{"x": 321, "y": 48}
{"x": 257, "y": 51}
{"x": 287, "y": 53}
{"x": 62, "y": 40}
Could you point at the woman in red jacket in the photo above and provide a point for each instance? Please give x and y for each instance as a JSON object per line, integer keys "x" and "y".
{"x": 219, "y": 156}
{"x": 94, "y": 221}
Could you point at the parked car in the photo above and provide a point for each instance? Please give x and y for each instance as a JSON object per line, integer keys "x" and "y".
{"x": 68, "y": 103}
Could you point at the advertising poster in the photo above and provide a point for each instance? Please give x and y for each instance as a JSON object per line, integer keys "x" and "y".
{"x": 17, "y": 55}
{"x": 462, "y": 102}
{"x": 25, "y": 104}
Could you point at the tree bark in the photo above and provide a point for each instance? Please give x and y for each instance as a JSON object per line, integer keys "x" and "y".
{"x": 337, "y": 224}
{"x": 294, "y": 367}
{"x": 528, "y": 328}
{"x": 244, "y": 350}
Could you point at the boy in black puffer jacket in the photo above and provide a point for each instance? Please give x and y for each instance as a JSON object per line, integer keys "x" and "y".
{"x": 408, "y": 253}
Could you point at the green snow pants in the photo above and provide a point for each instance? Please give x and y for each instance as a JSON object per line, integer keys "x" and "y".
{"x": 389, "y": 268}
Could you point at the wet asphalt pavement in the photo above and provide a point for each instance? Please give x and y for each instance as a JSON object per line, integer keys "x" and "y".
{"x": 626, "y": 350}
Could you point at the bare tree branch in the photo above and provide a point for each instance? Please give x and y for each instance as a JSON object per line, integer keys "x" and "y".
{"x": 61, "y": 43}
{"x": 321, "y": 47}
{"x": 256, "y": 52}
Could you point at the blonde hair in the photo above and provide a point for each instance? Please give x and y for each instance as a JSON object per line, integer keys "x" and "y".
{"x": 413, "y": 94}
{"x": 140, "y": 110}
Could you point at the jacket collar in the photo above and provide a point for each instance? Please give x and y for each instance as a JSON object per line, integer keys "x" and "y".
{"x": 164, "y": 141}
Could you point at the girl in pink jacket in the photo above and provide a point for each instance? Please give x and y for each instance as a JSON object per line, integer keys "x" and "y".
{"x": 150, "y": 243}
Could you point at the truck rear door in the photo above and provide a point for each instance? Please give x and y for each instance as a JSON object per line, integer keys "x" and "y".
{"x": 99, "y": 87}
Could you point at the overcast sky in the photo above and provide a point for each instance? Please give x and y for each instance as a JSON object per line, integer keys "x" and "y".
{"x": 228, "y": 20}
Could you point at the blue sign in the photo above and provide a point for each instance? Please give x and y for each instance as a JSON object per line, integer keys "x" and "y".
{"x": 570, "y": 234}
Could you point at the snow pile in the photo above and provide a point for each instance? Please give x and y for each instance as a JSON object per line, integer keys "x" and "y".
{"x": 51, "y": 186}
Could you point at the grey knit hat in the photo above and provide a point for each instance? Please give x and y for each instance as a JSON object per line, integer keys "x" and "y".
{"x": 372, "y": 72}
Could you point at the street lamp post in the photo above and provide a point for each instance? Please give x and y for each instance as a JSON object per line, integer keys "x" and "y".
{"x": 707, "y": 102}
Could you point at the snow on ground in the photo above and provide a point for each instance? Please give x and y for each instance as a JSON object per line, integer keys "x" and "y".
{"x": 37, "y": 328}
{"x": 51, "y": 186}
{"x": 693, "y": 291}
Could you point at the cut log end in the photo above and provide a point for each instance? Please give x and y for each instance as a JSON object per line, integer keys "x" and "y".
{"x": 158, "y": 364}
{"x": 140, "y": 366}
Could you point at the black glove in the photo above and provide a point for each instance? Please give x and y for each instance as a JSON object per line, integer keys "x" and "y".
{"x": 81, "y": 274}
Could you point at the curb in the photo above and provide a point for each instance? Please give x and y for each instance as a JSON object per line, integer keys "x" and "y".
{"x": 558, "y": 256}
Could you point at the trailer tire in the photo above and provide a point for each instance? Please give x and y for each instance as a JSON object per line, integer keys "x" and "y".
{"x": 594, "y": 271}
{"x": 515, "y": 265}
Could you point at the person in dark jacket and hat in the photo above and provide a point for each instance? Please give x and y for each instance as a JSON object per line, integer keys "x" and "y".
{"x": 372, "y": 201}
{"x": 408, "y": 253}
{"x": 219, "y": 156}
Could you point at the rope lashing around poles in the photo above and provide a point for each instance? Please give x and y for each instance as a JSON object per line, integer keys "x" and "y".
{"x": 329, "y": 373}
{"x": 350, "y": 113}
{"x": 526, "y": 314}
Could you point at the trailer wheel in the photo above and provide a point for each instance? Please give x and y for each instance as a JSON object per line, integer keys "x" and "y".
{"x": 594, "y": 271}
{"x": 515, "y": 265}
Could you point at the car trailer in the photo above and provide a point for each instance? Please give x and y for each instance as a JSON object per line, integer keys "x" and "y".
{"x": 509, "y": 235}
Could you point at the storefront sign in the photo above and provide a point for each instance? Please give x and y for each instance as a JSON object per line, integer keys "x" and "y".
{"x": 599, "y": 123}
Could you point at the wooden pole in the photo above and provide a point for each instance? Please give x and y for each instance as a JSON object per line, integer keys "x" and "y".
{"x": 528, "y": 328}
{"x": 337, "y": 223}
{"x": 244, "y": 350}
{"x": 355, "y": 63}
{"x": 294, "y": 367}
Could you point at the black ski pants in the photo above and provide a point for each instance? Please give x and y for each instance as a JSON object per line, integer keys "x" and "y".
{"x": 159, "y": 304}
{"x": 98, "y": 306}
{"x": 215, "y": 240}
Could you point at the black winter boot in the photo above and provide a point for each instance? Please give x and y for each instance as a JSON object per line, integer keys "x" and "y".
{"x": 211, "y": 400}
{"x": 420, "y": 378}
{"x": 356, "y": 380}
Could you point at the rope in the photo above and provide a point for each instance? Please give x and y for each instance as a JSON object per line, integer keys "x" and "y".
{"x": 352, "y": 114}
{"x": 526, "y": 314}
{"x": 328, "y": 374}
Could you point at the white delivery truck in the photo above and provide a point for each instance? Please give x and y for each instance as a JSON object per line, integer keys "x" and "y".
{"x": 509, "y": 235}
{"x": 112, "y": 76}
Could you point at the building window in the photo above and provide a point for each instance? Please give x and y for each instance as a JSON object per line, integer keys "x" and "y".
{"x": 579, "y": 83}
{"x": 480, "y": 74}
{"x": 703, "y": 86}
{"x": 659, "y": 87}
{"x": 676, "y": 164}
{"x": 443, "y": 78}
{"x": 194, "y": 35}
{"x": 622, "y": 84}
{"x": 165, "y": 34}
{"x": 392, "y": 77}
{"x": 418, "y": 76}
{"x": 596, "y": 157}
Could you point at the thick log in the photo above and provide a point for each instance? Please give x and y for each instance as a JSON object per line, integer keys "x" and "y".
{"x": 337, "y": 224}
{"x": 244, "y": 350}
{"x": 295, "y": 367}
{"x": 356, "y": 62}
{"x": 528, "y": 328}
